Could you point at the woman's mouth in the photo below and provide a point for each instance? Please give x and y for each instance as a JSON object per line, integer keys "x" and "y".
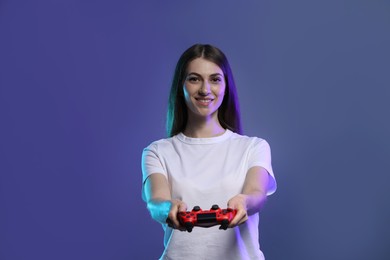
{"x": 203, "y": 101}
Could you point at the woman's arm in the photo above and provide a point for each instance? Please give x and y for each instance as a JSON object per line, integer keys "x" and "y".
{"x": 160, "y": 203}
{"x": 253, "y": 196}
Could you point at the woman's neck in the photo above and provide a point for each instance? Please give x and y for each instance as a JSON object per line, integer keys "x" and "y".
{"x": 203, "y": 129}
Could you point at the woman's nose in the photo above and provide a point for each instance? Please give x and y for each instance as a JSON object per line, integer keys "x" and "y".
{"x": 205, "y": 88}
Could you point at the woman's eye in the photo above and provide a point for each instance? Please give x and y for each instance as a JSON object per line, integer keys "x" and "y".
{"x": 193, "y": 79}
{"x": 216, "y": 80}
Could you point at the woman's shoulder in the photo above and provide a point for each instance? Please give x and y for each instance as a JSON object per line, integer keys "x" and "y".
{"x": 160, "y": 143}
{"x": 247, "y": 138}
{"x": 253, "y": 143}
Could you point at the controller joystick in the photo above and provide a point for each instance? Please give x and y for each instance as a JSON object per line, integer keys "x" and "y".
{"x": 214, "y": 207}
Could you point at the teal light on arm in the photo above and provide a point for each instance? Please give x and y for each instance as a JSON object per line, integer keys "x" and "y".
{"x": 159, "y": 210}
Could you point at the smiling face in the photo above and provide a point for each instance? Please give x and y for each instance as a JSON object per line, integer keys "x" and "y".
{"x": 204, "y": 89}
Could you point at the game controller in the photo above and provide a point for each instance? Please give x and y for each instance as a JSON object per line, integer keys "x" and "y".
{"x": 206, "y": 218}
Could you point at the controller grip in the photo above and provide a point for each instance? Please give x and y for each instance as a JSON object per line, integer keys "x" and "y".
{"x": 224, "y": 224}
{"x": 189, "y": 226}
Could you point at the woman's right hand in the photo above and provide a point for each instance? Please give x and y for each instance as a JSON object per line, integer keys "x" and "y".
{"x": 160, "y": 204}
{"x": 172, "y": 220}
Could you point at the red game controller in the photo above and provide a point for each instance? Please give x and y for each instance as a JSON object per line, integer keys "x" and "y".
{"x": 206, "y": 218}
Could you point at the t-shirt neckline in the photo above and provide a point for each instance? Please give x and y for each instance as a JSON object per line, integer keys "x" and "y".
{"x": 206, "y": 140}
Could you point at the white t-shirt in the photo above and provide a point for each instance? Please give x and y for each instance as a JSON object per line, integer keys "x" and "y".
{"x": 203, "y": 172}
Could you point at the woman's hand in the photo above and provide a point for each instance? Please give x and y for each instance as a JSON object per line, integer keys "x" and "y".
{"x": 160, "y": 204}
{"x": 239, "y": 203}
{"x": 172, "y": 220}
{"x": 253, "y": 195}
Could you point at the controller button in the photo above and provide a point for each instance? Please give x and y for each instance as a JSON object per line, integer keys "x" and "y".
{"x": 196, "y": 208}
{"x": 215, "y": 207}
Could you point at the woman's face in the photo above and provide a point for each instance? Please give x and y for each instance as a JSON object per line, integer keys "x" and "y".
{"x": 204, "y": 88}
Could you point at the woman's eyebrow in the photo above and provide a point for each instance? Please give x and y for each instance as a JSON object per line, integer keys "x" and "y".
{"x": 193, "y": 73}
{"x": 211, "y": 75}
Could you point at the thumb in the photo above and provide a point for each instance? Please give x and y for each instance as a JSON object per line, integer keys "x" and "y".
{"x": 231, "y": 204}
{"x": 182, "y": 207}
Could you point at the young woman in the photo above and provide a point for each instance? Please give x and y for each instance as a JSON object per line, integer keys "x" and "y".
{"x": 205, "y": 161}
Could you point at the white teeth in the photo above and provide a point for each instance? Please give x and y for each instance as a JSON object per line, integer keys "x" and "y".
{"x": 204, "y": 100}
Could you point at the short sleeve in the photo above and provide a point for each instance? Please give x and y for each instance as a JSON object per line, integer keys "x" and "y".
{"x": 260, "y": 155}
{"x": 151, "y": 163}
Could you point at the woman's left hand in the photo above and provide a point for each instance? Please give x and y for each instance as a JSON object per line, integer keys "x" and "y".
{"x": 238, "y": 203}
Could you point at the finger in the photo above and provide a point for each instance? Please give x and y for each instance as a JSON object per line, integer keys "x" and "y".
{"x": 175, "y": 220}
{"x": 169, "y": 222}
{"x": 233, "y": 222}
{"x": 241, "y": 217}
{"x": 172, "y": 225}
{"x": 182, "y": 207}
{"x": 173, "y": 215}
{"x": 242, "y": 220}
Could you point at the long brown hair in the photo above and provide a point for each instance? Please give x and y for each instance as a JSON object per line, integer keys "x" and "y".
{"x": 228, "y": 112}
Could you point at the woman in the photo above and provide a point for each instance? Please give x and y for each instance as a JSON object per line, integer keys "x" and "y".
{"x": 205, "y": 161}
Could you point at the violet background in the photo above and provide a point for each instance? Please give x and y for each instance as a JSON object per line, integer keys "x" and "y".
{"x": 84, "y": 88}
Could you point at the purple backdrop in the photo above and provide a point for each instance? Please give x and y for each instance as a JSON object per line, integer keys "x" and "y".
{"x": 84, "y": 87}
